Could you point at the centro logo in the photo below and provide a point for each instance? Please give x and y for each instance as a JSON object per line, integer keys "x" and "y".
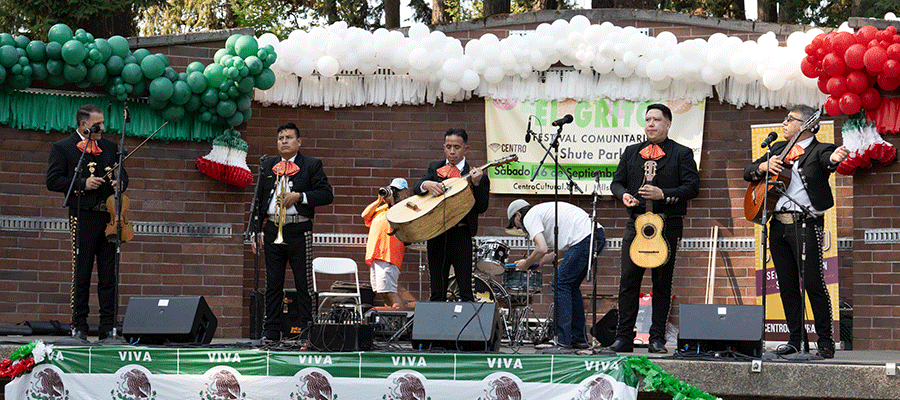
{"x": 508, "y": 147}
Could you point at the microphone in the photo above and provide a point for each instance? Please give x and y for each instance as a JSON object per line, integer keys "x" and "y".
{"x": 528, "y": 131}
{"x": 94, "y": 129}
{"x": 263, "y": 158}
{"x": 769, "y": 139}
{"x": 564, "y": 120}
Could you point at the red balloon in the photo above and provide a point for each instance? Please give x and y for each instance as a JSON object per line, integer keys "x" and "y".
{"x": 895, "y": 39}
{"x": 891, "y": 30}
{"x": 826, "y": 41}
{"x": 891, "y": 69}
{"x": 823, "y": 84}
{"x": 832, "y": 106}
{"x": 842, "y": 41}
{"x": 850, "y": 103}
{"x": 888, "y": 83}
{"x": 857, "y": 82}
{"x": 817, "y": 41}
{"x": 870, "y": 99}
{"x": 865, "y": 34}
{"x": 833, "y": 65}
{"x": 808, "y": 69}
{"x": 837, "y": 85}
{"x": 893, "y": 51}
{"x": 854, "y": 56}
{"x": 810, "y": 49}
{"x": 882, "y": 36}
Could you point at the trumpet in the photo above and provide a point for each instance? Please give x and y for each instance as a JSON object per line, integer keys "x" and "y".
{"x": 282, "y": 187}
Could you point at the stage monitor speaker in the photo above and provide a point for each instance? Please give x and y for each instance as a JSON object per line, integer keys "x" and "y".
{"x": 456, "y": 326}
{"x": 605, "y": 329}
{"x": 720, "y": 327}
{"x": 341, "y": 337}
{"x": 179, "y": 319}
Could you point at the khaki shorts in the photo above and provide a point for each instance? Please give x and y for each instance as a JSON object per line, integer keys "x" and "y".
{"x": 383, "y": 276}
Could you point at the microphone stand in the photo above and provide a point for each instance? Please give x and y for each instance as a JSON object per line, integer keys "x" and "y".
{"x": 592, "y": 258}
{"x": 253, "y": 229}
{"x": 765, "y": 241}
{"x": 77, "y": 241}
{"x": 554, "y": 146}
{"x": 114, "y": 337}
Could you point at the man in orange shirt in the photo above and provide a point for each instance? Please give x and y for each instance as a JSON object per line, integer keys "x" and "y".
{"x": 384, "y": 253}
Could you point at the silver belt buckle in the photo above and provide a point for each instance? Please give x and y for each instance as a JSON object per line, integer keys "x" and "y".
{"x": 785, "y": 218}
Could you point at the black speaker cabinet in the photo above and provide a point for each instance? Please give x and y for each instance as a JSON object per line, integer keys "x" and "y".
{"x": 605, "y": 329}
{"x": 180, "y": 319}
{"x": 456, "y": 326}
{"x": 341, "y": 337}
{"x": 721, "y": 327}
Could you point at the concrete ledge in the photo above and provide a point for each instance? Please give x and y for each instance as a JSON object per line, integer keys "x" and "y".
{"x": 187, "y": 38}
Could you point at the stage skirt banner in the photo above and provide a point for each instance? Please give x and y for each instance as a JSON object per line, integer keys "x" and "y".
{"x": 599, "y": 133}
{"x": 776, "y": 324}
{"x": 120, "y": 373}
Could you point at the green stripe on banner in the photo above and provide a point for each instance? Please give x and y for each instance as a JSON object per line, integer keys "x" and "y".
{"x": 432, "y": 366}
{"x": 339, "y": 365}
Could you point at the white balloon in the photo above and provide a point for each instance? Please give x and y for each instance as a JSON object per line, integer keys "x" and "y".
{"x": 661, "y": 84}
{"x": 470, "y": 80}
{"x": 667, "y": 39}
{"x": 579, "y": 23}
{"x": 622, "y": 70}
{"x": 536, "y": 59}
{"x": 418, "y": 75}
{"x": 449, "y": 88}
{"x": 267, "y": 39}
{"x": 630, "y": 59}
{"x": 338, "y": 27}
{"x": 717, "y": 39}
{"x": 473, "y": 48}
{"x": 304, "y": 67}
{"x": 797, "y": 41}
{"x": 507, "y": 60}
{"x": 336, "y": 47}
{"x": 453, "y": 69}
{"x": 768, "y": 39}
{"x": 419, "y": 59}
{"x": 368, "y": 68}
{"x": 740, "y": 63}
{"x": 890, "y": 16}
{"x": 710, "y": 75}
{"x": 418, "y": 31}
{"x": 493, "y": 74}
{"x": 400, "y": 61}
{"x": 328, "y": 66}
{"x": 602, "y": 64}
{"x": 366, "y": 54}
{"x": 773, "y": 80}
{"x": 349, "y": 61}
{"x": 845, "y": 27}
{"x": 560, "y": 29}
{"x": 656, "y": 70}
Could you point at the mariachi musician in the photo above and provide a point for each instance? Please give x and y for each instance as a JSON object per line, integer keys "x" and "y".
{"x": 88, "y": 215}
{"x": 454, "y": 247}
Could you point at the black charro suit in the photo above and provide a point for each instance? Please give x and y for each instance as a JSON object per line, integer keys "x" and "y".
{"x": 814, "y": 168}
{"x": 87, "y": 219}
{"x": 676, "y": 175}
{"x": 311, "y": 181}
{"x": 454, "y": 247}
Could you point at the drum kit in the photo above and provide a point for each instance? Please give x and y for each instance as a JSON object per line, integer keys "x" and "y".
{"x": 513, "y": 295}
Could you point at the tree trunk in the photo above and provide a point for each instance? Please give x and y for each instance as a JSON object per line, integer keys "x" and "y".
{"x": 439, "y": 15}
{"x": 391, "y": 14}
{"x": 493, "y": 7}
{"x": 545, "y": 5}
{"x": 768, "y": 11}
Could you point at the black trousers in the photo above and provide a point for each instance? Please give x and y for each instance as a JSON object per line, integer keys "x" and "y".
{"x": 89, "y": 239}
{"x": 630, "y": 284}
{"x": 783, "y": 241}
{"x": 297, "y": 251}
{"x": 453, "y": 247}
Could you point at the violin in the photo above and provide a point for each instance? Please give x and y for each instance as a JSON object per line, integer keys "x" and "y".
{"x": 112, "y": 226}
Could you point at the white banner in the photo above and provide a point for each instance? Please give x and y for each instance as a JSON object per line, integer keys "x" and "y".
{"x": 594, "y": 140}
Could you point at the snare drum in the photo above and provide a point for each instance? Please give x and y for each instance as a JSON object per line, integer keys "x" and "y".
{"x": 485, "y": 291}
{"x": 491, "y": 258}
{"x": 519, "y": 281}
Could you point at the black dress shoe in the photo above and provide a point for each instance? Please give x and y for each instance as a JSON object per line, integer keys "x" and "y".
{"x": 78, "y": 334}
{"x": 622, "y": 346}
{"x": 657, "y": 346}
{"x": 785, "y": 349}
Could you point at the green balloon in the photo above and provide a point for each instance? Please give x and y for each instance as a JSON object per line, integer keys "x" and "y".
{"x": 119, "y": 46}
{"x": 54, "y": 51}
{"x": 236, "y": 119}
{"x": 81, "y": 36}
{"x": 130, "y": 59}
{"x": 243, "y": 102}
{"x": 105, "y": 49}
{"x": 246, "y": 46}
{"x": 114, "y": 65}
{"x": 182, "y": 76}
{"x": 19, "y": 82}
{"x": 98, "y": 75}
{"x": 132, "y": 73}
{"x": 181, "y": 93}
{"x": 232, "y": 72}
{"x": 24, "y": 61}
{"x": 254, "y": 64}
{"x": 244, "y": 72}
{"x": 223, "y": 95}
{"x": 2, "y": 74}
{"x": 60, "y": 33}
{"x": 55, "y": 67}
{"x": 215, "y": 74}
{"x": 37, "y": 50}
{"x": 219, "y": 55}
{"x": 170, "y": 74}
{"x": 73, "y": 52}
{"x": 229, "y": 43}
{"x": 193, "y": 103}
{"x": 262, "y": 54}
{"x": 88, "y": 62}
{"x": 7, "y": 40}
{"x": 22, "y": 41}
{"x": 206, "y": 116}
{"x": 152, "y": 67}
{"x": 195, "y": 66}
{"x": 163, "y": 58}
{"x": 210, "y": 97}
{"x": 245, "y": 85}
{"x": 16, "y": 69}
{"x": 27, "y": 70}
{"x": 266, "y": 79}
{"x": 95, "y": 55}
{"x": 226, "y": 108}
{"x": 226, "y": 85}
{"x": 197, "y": 82}
{"x": 157, "y": 104}
{"x": 40, "y": 71}
{"x": 121, "y": 97}
{"x": 8, "y": 56}
{"x": 173, "y": 113}
{"x": 270, "y": 60}
{"x": 140, "y": 88}
{"x": 247, "y": 113}
{"x": 233, "y": 92}
{"x": 140, "y": 54}
{"x": 128, "y": 87}
{"x": 74, "y": 73}
{"x": 161, "y": 89}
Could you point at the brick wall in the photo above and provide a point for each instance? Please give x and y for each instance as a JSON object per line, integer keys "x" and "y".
{"x": 362, "y": 148}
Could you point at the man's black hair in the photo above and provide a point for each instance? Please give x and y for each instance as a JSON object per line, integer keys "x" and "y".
{"x": 666, "y": 112}
{"x": 457, "y": 132}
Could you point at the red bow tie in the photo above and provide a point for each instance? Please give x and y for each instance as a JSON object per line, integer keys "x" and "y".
{"x": 652, "y": 152}
{"x": 795, "y": 153}
{"x": 448, "y": 171}
{"x": 92, "y": 147}
{"x": 285, "y": 168}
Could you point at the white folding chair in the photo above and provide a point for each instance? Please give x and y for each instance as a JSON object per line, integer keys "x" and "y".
{"x": 337, "y": 266}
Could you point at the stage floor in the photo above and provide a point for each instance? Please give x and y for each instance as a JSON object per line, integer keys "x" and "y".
{"x": 852, "y": 374}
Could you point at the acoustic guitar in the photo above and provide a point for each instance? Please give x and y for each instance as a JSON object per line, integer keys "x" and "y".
{"x": 649, "y": 249}
{"x": 759, "y": 191}
{"x": 422, "y": 217}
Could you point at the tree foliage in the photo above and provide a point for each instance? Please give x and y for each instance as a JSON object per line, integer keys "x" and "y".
{"x": 102, "y": 18}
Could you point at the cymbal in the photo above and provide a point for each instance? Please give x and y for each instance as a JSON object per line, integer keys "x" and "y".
{"x": 516, "y": 232}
